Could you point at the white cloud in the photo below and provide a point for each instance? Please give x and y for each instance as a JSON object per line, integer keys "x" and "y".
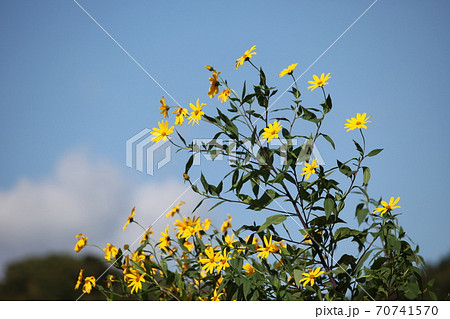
{"x": 83, "y": 194}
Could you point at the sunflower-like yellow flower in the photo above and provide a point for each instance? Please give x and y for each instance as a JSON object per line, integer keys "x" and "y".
{"x": 110, "y": 250}
{"x": 269, "y": 248}
{"x": 147, "y": 233}
{"x": 130, "y": 218}
{"x": 247, "y": 56}
{"x": 164, "y": 108}
{"x": 223, "y": 260}
{"x": 80, "y": 279}
{"x": 226, "y": 224}
{"x": 310, "y": 276}
{"x": 229, "y": 240}
{"x": 224, "y": 95}
{"x": 288, "y": 70}
{"x": 216, "y": 295}
{"x": 134, "y": 280}
{"x": 310, "y": 168}
{"x": 387, "y": 207}
{"x": 162, "y": 132}
{"x": 319, "y": 82}
{"x": 196, "y": 114}
{"x": 211, "y": 262}
{"x": 358, "y": 122}
{"x": 165, "y": 239}
{"x": 188, "y": 245}
{"x": 271, "y": 131}
{"x": 180, "y": 114}
{"x": 188, "y": 227}
{"x": 249, "y": 269}
{"x": 89, "y": 283}
{"x": 214, "y": 84}
{"x": 82, "y": 241}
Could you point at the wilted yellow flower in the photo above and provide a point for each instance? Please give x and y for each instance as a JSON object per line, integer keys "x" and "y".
{"x": 162, "y": 132}
{"x": 387, "y": 207}
{"x": 271, "y": 131}
{"x": 110, "y": 250}
{"x": 289, "y": 70}
{"x": 80, "y": 279}
{"x": 310, "y": 168}
{"x": 188, "y": 245}
{"x": 164, "y": 108}
{"x": 214, "y": 84}
{"x": 165, "y": 239}
{"x": 130, "y": 218}
{"x": 180, "y": 114}
{"x": 196, "y": 114}
{"x": 89, "y": 283}
{"x": 310, "y": 276}
{"x": 247, "y": 56}
{"x": 109, "y": 280}
{"x": 148, "y": 232}
{"x": 175, "y": 210}
{"x": 209, "y": 68}
{"x": 135, "y": 280}
{"x": 224, "y": 95}
{"x": 82, "y": 241}
{"x": 249, "y": 269}
{"x": 319, "y": 82}
{"x": 226, "y": 224}
{"x": 358, "y": 122}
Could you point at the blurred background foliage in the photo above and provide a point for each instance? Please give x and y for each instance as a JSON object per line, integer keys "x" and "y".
{"x": 53, "y": 277}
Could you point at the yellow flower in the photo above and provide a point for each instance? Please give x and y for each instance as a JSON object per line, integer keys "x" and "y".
{"x": 247, "y": 56}
{"x": 138, "y": 257}
{"x": 223, "y": 261}
{"x": 216, "y": 296}
{"x": 255, "y": 242}
{"x": 126, "y": 265}
{"x": 214, "y": 84}
{"x": 387, "y": 207}
{"x": 206, "y": 224}
{"x": 289, "y": 70}
{"x": 223, "y": 97}
{"x": 135, "y": 280}
{"x": 310, "y": 168}
{"x": 185, "y": 176}
{"x": 196, "y": 114}
{"x": 162, "y": 132}
{"x": 319, "y": 81}
{"x": 249, "y": 269}
{"x": 80, "y": 279}
{"x": 110, "y": 250}
{"x": 269, "y": 248}
{"x": 271, "y": 131}
{"x": 130, "y": 218}
{"x": 82, "y": 241}
{"x": 209, "y": 68}
{"x": 164, "y": 108}
{"x": 188, "y": 245}
{"x": 180, "y": 114}
{"x": 226, "y": 224}
{"x": 175, "y": 210}
{"x": 148, "y": 232}
{"x": 230, "y": 240}
{"x": 358, "y": 122}
{"x": 188, "y": 227}
{"x": 89, "y": 282}
{"x": 165, "y": 239}
{"x": 210, "y": 263}
{"x": 309, "y": 277}
{"x": 109, "y": 280}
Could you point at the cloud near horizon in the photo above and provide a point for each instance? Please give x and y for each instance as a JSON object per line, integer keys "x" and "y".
{"x": 84, "y": 194}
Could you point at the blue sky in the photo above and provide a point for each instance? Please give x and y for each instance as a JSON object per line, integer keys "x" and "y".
{"x": 71, "y": 98}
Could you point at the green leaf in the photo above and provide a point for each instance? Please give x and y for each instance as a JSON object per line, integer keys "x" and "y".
{"x": 329, "y": 140}
{"x": 272, "y": 220}
{"x": 374, "y": 152}
{"x": 189, "y": 164}
{"x": 329, "y": 206}
{"x": 361, "y": 213}
{"x": 358, "y": 147}
{"x": 297, "y": 276}
{"x": 366, "y": 175}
